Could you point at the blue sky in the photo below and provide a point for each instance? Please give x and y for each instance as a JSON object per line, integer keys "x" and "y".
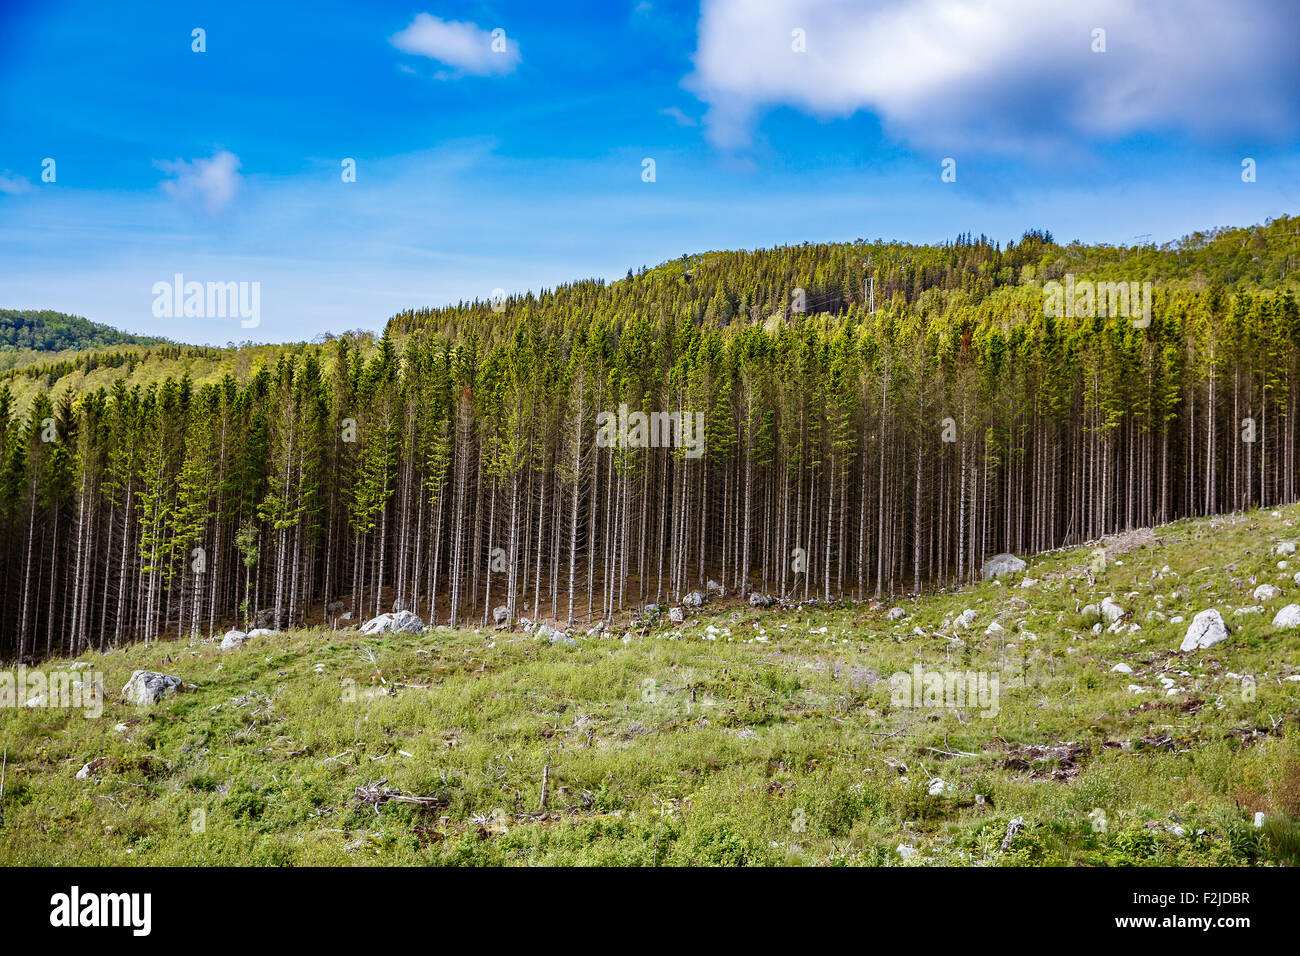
{"x": 523, "y": 168}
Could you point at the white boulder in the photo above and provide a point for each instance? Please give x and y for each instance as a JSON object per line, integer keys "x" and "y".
{"x": 394, "y": 622}
{"x": 1288, "y": 618}
{"x": 148, "y": 687}
{"x": 1206, "y": 630}
{"x": 1001, "y": 564}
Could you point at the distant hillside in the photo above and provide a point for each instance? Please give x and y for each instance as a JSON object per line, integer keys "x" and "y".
{"x": 47, "y": 331}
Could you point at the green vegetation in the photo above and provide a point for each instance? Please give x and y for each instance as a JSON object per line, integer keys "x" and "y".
{"x": 48, "y": 331}
{"x": 743, "y": 737}
{"x": 847, "y": 453}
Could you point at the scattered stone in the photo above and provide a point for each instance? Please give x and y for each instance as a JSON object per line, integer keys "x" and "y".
{"x": 1287, "y": 618}
{"x": 1013, "y": 828}
{"x": 234, "y": 639}
{"x": 1266, "y": 592}
{"x": 1286, "y": 547}
{"x": 500, "y": 614}
{"x": 148, "y": 687}
{"x": 967, "y": 617}
{"x": 1206, "y": 630}
{"x": 940, "y": 786}
{"x": 761, "y": 600}
{"x": 1121, "y": 669}
{"x": 555, "y": 635}
{"x": 714, "y": 587}
{"x": 1110, "y": 610}
{"x": 907, "y": 852}
{"x": 1253, "y": 609}
{"x": 895, "y": 614}
{"x": 1001, "y": 564}
{"x": 262, "y": 632}
{"x": 694, "y": 599}
{"x": 404, "y": 622}
{"x": 676, "y": 615}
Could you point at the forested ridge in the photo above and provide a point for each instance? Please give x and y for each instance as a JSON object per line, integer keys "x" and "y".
{"x": 55, "y": 331}
{"x": 452, "y": 465}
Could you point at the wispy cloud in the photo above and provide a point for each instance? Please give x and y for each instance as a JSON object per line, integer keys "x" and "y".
{"x": 205, "y": 184}
{"x": 1011, "y": 75}
{"x": 463, "y": 46}
{"x": 12, "y": 184}
{"x": 681, "y": 118}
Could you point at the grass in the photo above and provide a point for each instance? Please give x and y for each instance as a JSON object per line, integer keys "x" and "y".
{"x": 744, "y": 737}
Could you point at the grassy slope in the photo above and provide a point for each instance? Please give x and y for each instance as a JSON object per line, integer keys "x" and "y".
{"x": 771, "y": 740}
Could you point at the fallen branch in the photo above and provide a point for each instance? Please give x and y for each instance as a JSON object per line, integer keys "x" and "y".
{"x": 378, "y": 794}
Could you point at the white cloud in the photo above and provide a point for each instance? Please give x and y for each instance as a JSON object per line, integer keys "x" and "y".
{"x": 1011, "y": 75}
{"x": 206, "y": 184}
{"x": 460, "y": 45}
{"x": 11, "y": 184}
{"x": 679, "y": 117}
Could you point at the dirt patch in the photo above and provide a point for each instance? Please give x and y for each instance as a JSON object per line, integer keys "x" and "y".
{"x": 1123, "y": 543}
{"x": 1061, "y": 762}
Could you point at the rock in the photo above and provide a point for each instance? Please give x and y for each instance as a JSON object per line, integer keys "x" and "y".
{"x": 234, "y": 639}
{"x": 694, "y": 599}
{"x": 400, "y": 605}
{"x": 555, "y": 635}
{"x": 148, "y": 687}
{"x": 761, "y": 600}
{"x": 400, "y": 622}
{"x": 1266, "y": 592}
{"x": 264, "y": 618}
{"x": 676, "y": 615}
{"x": 715, "y": 588}
{"x": 1110, "y": 610}
{"x": 966, "y": 618}
{"x": 1177, "y": 619}
{"x": 653, "y": 610}
{"x": 994, "y": 628}
{"x": 1154, "y": 617}
{"x": 1029, "y": 583}
{"x": 345, "y": 617}
{"x": 335, "y": 607}
{"x": 1001, "y": 564}
{"x": 262, "y": 632}
{"x": 1206, "y": 630}
{"x": 1259, "y": 818}
{"x": 1253, "y": 609}
{"x": 939, "y": 786}
{"x": 1286, "y": 547}
{"x": 598, "y": 630}
{"x": 1288, "y": 618}
{"x": 90, "y": 769}
{"x": 907, "y": 852}
{"x": 1090, "y": 610}
{"x": 1013, "y": 828}
{"x": 895, "y": 614}
{"x": 1121, "y": 669}
{"x": 500, "y": 614}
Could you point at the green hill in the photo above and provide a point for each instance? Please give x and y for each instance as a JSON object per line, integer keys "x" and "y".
{"x": 47, "y": 331}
